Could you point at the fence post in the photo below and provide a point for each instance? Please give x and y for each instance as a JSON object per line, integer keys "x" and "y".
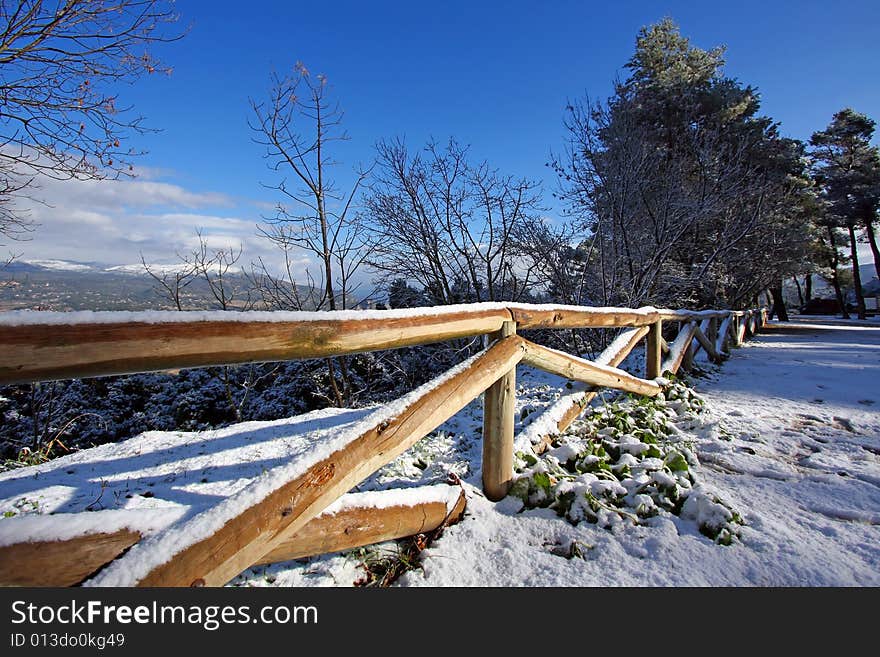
{"x": 712, "y": 335}
{"x": 498, "y": 403}
{"x": 653, "y": 352}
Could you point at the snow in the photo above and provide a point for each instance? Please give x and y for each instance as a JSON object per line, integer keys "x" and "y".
{"x": 790, "y": 439}
{"x": 60, "y": 527}
{"x": 60, "y": 265}
{"x": 547, "y": 423}
{"x": 22, "y": 317}
{"x": 173, "y": 268}
{"x": 809, "y": 493}
{"x": 383, "y": 499}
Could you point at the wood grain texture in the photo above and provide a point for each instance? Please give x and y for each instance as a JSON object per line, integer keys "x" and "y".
{"x": 578, "y": 369}
{"x": 361, "y": 522}
{"x": 357, "y": 526}
{"x": 498, "y": 421}
{"x": 39, "y": 352}
{"x": 527, "y": 318}
{"x": 654, "y": 350}
{"x": 707, "y": 345}
{"x": 61, "y": 563}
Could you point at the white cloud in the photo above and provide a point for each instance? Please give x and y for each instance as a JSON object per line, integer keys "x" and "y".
{"x": 115, "y": 221}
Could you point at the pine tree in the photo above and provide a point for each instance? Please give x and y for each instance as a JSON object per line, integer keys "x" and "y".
{"x": 847, "y": 168}
{"x": 691, "y": 197}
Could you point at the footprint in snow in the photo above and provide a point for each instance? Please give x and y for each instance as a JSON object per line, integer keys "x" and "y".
{"x": 843, "y": 423}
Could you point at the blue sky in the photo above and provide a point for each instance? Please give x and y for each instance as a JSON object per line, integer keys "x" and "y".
{"x": 495, "y": 75}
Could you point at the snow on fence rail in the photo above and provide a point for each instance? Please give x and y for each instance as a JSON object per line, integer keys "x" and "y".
{"x": 296, "y": 509}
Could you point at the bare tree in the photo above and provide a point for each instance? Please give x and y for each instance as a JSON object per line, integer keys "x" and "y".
{"x": 170, "y": 282}
{"x": 448, "y": 224}
{"x": 59, "y": 116}
{"x": 297, "y": 125}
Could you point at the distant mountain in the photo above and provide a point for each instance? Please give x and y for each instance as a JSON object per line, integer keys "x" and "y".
{"x": 136, "y": 269}
{"x": 69, "y": 285}
{"x": 18, "y": 266}
{"x": 61, "y": 265}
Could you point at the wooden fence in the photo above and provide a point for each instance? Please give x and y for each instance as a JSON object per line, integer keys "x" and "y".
{"x": 288, "y": 519}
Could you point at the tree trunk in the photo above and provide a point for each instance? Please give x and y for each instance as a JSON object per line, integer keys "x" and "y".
{"x": 800, "y": 292}
{"x": 778, "y": 304}
{"x": 838, "y": 292}
{"x": 808, "y": 287}
{"x": 835, "y": 281}
{"x": 872, "y": 240}
{"x": 857, "y": 277}
{"x": 334, "y": 387}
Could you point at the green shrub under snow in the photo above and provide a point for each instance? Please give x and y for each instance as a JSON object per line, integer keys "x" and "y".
{"x": 626, "y": 460}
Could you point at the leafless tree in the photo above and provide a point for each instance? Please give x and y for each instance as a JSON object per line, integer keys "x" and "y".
{"x": 298, "y": 125}
{"x": 171, "y": 282}
{"x": 61, "y": 61}
{"x": 448, "y": 224}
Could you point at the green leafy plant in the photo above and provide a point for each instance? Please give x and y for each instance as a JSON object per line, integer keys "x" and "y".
{"x": 626, "y": 460}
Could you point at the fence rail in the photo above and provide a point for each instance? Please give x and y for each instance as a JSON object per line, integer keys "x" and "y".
{"x": 272, "y": 518}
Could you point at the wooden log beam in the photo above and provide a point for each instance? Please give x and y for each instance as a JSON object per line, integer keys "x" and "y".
{"x": 735, "y": 334}
{"x": 258, "y": 528}
{"x": 653, "y": 350}
{"x": 540, "y": 316}
{"x": 664, "y": 347}
{"x": 355, "y": 520}
{"x": 498, "y": 420}
{"x": 45, "y": 348}
{"x": 691, "y": 315}
{"x": 578, "y": 369}
{"x": 712, "y": 333}
{"x": 364, "y": 519}
{"x": 723, "y": 338}
{"x": 680, "y": 348}
{"x": 687, "y": 361}
{"x": 748, "y": 321}
{"x": 703, "y": 326}
{"x": 707, "y": 345}
{"x": 61, "y": 563}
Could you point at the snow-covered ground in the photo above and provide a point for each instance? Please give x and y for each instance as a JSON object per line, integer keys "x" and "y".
{"x": 790, "y": 439}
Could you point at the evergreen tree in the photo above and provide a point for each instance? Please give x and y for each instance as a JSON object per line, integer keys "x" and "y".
{"x": 847, "y": 168}
{"x": 689, "y": 195}
{"x": 402, "y": 295}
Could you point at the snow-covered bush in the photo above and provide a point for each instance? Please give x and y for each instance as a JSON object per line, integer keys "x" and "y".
{"x": 626, "y": 460}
